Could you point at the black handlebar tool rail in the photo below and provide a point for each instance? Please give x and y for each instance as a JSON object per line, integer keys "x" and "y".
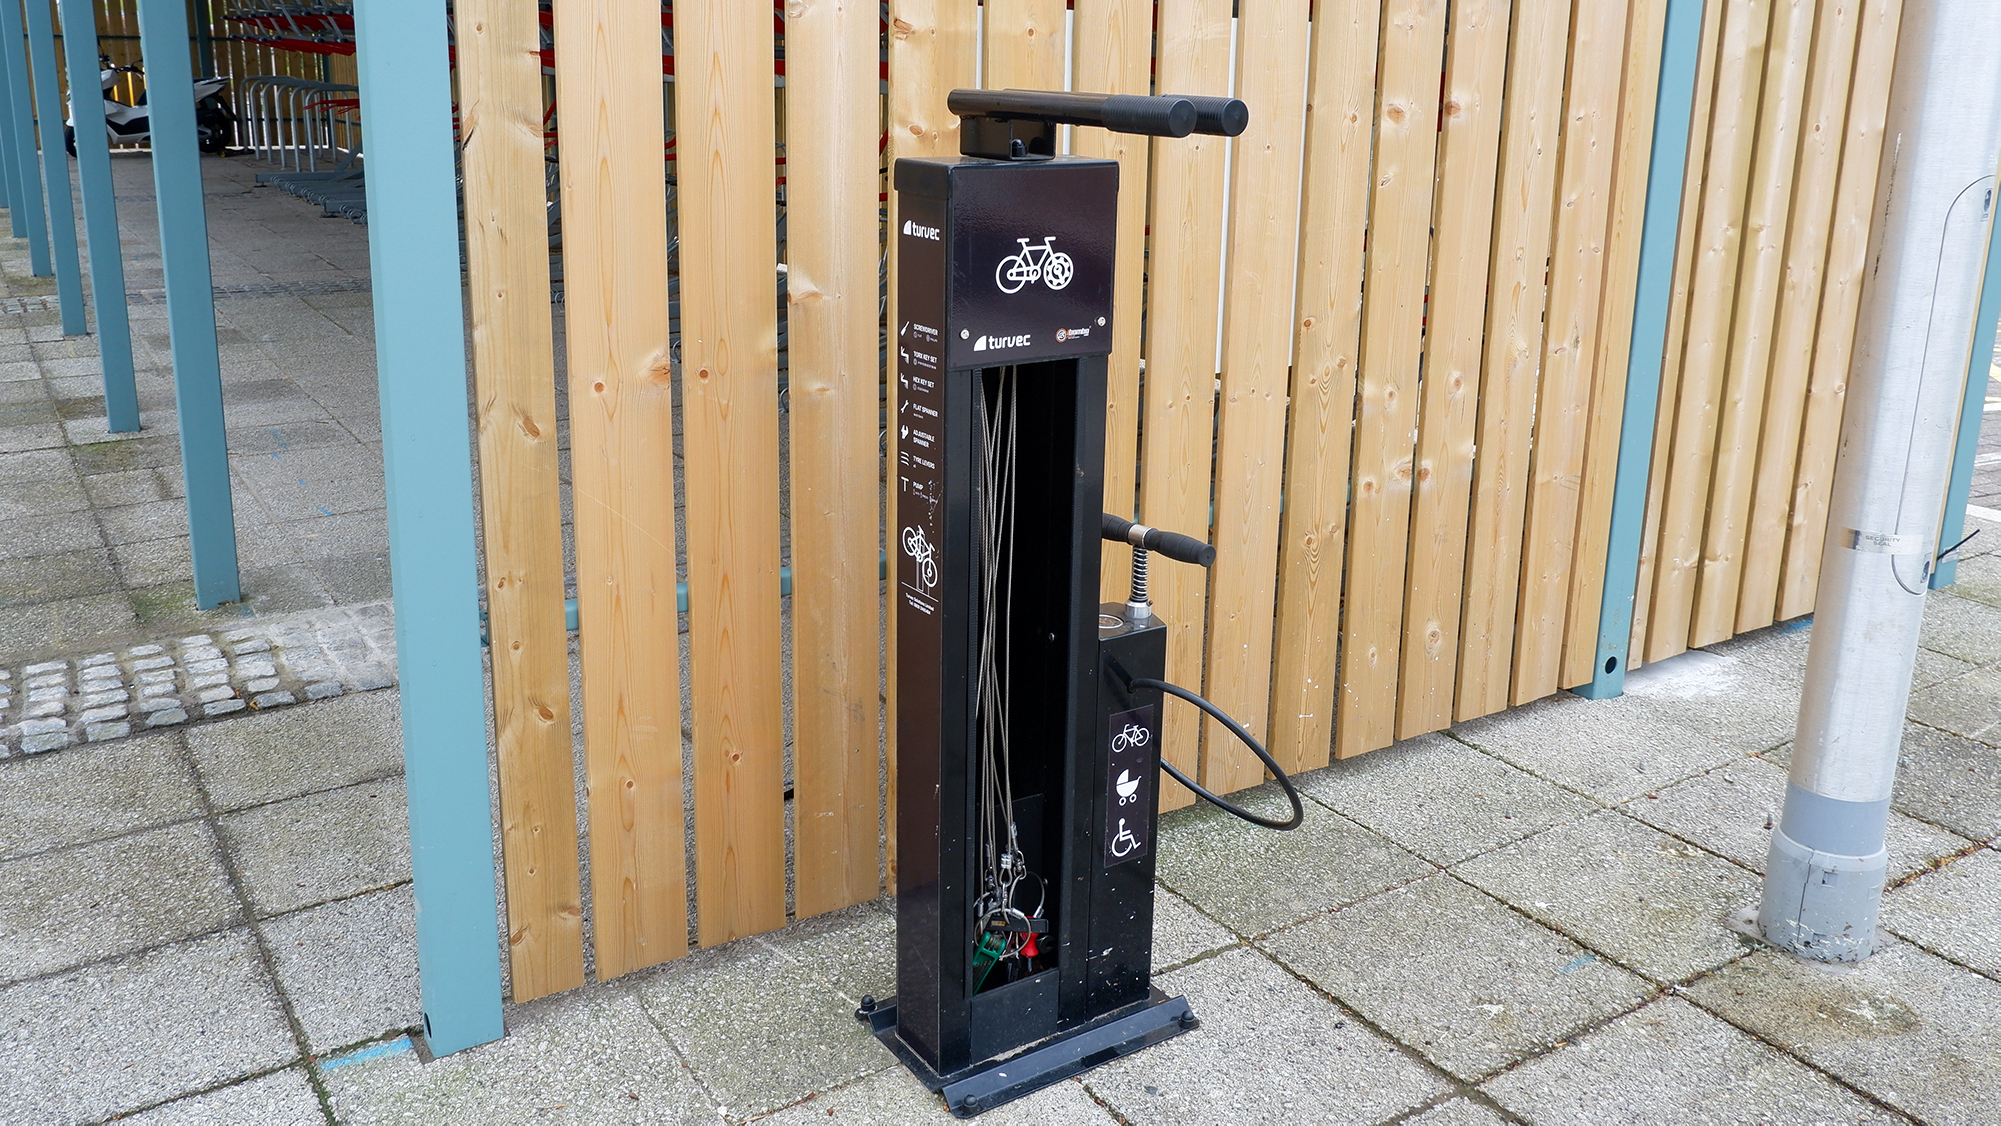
{"x": 1028, "y": 720}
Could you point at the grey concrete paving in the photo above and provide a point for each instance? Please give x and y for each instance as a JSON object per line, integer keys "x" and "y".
{"x": 1952, "y": 911}
{"x": 1909, "y": 1029}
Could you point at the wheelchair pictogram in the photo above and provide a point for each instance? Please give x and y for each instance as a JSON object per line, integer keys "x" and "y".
{"x": 1124, "y": 842}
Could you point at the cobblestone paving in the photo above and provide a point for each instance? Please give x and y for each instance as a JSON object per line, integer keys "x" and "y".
{"x": 50, "y": 705}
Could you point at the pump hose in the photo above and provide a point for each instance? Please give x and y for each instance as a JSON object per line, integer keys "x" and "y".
{"x": 1244, "y": 737}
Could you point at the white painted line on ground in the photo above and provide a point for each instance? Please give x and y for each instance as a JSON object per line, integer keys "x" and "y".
{"x": 1980, "y": 513}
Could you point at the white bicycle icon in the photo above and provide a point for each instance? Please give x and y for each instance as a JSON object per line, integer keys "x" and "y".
{"x": 1031, "y": 264}
{"x": 920, "y": 549}
{"x": 1133, "y": 736}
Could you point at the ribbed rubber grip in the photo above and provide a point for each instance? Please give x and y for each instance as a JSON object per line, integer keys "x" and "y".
{"x": 1174, "y": 545}
{"x": 1151, "y": 117}
{"x": 1218, "y": 117}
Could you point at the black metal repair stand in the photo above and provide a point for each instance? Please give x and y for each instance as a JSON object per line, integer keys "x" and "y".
{"x": 1004, "y": 298}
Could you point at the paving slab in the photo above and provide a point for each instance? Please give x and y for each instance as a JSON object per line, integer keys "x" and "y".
{"x": 1441, "y": 799}
{"x": 1456, "y": 974}
{"x": 82, "y": 1046}
{"x": 1979, "y": 577}
{"x": 76, "y": 905}
{"x": 759, "y": 1029}
{"x": 282, "y": 1098}
{"x": 1609, "y": 752}
{"x": 349, "y": 968}
{"x": 1952, "y": 911}
{"x": 1459, "y": 1112}
{"x": 48, "y": 801}
{"x": 1330, "y": 1069}
{"x": 852, "y": 950}
{"x": 322, "y": 846}
{"x": 1968, "y": 705}
{"x": 1671, "y": 1064}
{"x": 1729, "y": 811}
{"x": 299, "y": 750}
{"x": 893, "y": 1095}
{"x": 1912, "y": 1030}
{"x": 64, "y": 626}
{"x": 1181, "y": 933}
{"x": 1950, "y": 781}
{"x": 1254, "y": 880}
{"x": 589, "y": 1058}
{"x": 1961, "y": 627}
{"x": 1624, "y": 889}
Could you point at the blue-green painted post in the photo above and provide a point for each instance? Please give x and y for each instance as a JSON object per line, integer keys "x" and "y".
{"x": 10, "y": 180}
{"x": 21, "y": 134}
{"x": 100, "y": 220}
{"x": 163, "y": 40}
{"x": 413, "y": 245}
{"x": 1970, "y": 412}
{"x": 1668, "y": 163}
{"x": 55, "y": 168}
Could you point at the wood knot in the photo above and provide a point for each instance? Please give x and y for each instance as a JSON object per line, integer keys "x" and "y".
{"x": 529, "y": 428}
{"x": 1307, "y": 323}
{"x": 543, "y": 711}
{"x": 598, "y": 387}
{"x": 1395, "y": 113}
{"x": 1453, "y": 108}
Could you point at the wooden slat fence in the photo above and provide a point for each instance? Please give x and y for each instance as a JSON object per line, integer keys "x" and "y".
{"x": 1775, "y": 229}
{"x": 1382, "y": 366}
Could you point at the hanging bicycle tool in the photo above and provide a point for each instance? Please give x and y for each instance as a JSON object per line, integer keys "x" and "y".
{"x": 1027, "y": 718}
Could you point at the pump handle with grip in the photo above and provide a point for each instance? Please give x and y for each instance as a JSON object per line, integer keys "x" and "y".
{"x": 1168, "y": 116}
{"x": 1174, "y": 545}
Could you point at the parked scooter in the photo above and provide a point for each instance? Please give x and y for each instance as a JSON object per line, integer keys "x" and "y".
{"x": 215, "y": 121}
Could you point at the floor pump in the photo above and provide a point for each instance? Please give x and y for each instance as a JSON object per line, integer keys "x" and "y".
{"x": 1028, "y": 714}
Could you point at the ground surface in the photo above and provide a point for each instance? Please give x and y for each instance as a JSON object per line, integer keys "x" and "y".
{"x": 1526, "y": 919}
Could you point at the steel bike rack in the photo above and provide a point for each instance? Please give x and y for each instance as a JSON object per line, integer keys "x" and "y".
{"x": 1027, "y": 724}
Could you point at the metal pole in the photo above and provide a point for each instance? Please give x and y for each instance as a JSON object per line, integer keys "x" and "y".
{"x": 10, "y": 178}
{"x": 55, "y": 168}
{"x": 1659, "y": 232}
{"x": 1953, "y": 526}
{"x": 1935, "y": 195}
{"x": 100, "y": 220}
{"x": 413, "y": 244}
{"x": 21, "y": 127}
{"x": 163, "y": 41}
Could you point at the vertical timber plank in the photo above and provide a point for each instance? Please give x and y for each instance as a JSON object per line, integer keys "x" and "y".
{"x": 1834, "y": 341}
{"x": 832, "y": 104}
{"x": 1272, "y": 42}
{"x": 1812, "y": 223}
{"x": 724, "y": 127}
{"x": 1719, "y": 246}
{"x": 622, "y": 442}
{"x": 1185, "y": 279}
{"x": 1760, "y": 281}
{"x": 514, "y": 375}
{"x": 1476, "y": 72}
{"x": 932, "y": 51}
{"x": 1025, "y": 45}
{"x": 1340, "y": 137}
{"x": 1114, "y": 55}
{"x": 1686, "y": 224}
{"x": 1524, "y": 213}
{"x": 1393, "y": 322}
{"x": 1646, "y": 30}
{"x": 1570, "y": 343}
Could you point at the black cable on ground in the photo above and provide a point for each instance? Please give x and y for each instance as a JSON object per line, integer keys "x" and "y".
{"x": 1244, "y": 737}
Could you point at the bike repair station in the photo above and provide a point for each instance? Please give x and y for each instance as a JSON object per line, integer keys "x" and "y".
{"x": 1028, "y": 714}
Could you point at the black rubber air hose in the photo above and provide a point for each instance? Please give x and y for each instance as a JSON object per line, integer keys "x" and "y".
{"x": 1244, "y": 737}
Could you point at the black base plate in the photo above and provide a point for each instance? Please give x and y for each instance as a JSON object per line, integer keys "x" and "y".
{"x": 986, "y": 1085}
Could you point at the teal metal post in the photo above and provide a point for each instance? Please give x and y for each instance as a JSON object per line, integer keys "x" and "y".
{"x": 55, "y": 168}
{"x": 21, "y": 134}
{"x": 10, "y": 180}
{"x": 163, "y": 40}
{"x": 1953, "y": 526}
{"x": 100, "y": 220}
{"x": 413, "y": 243}
{"x": 1672, "y": 111}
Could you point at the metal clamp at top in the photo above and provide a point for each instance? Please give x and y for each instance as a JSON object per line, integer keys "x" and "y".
{"x": 1021, "y": 124}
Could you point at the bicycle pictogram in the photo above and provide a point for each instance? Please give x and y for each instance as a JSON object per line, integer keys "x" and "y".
{"x": 920, "y": 550}
{"x": 1031, "y": 264}
{"x": 1133, "y": 736}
